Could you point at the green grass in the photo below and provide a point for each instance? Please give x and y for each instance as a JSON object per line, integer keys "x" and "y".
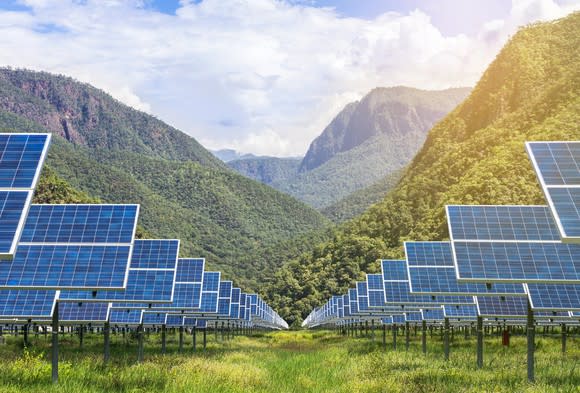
{"x": 299, "y": 361}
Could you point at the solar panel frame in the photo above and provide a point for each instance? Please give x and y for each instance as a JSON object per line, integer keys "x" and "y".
{"x": 538, "y": 258}
{"x": 27, "y": 304}
{"x": 558, "y": 182}
{"x": 71, "y": 263}
{"x": 554, "y": 297}
{"x": 26, "y": 188}
{"x": 145, "y": 285}
{"x": 441, "y": 279}
{"x": 399, "y": 291}
{"x": 93, "y": 313}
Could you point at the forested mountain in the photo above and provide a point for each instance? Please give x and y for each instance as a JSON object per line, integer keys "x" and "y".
{"x": 109, "y": 151}
{"x": 364, "y": 143}
{"x": 475, "y": 155}
{"x": 267, "y": 170}
{"x": 356, "y": 203}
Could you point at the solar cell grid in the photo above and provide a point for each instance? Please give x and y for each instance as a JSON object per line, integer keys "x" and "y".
{"x": 190, "y": 270}
{"x": 21, "y": 159}
{"x": 92, "y": 224}
{"x": 83, "y": 312}
{"x": 79, "y": 265}
{"x": 563, "y": 297}
{"x": 33, "y": 304}
{"x": 125, "y": 317}
{"x": 557, "y": 167}
{"x": 517, "y": 262}
{"x": 486, "y": 222}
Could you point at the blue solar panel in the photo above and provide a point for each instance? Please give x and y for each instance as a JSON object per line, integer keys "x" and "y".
{"x": 566, "y": 202}
{"x": 209, "y": 302}
{"x": 21, "y": 159}
{"x": 27, "y": 304}
{"x": 557, "y": 165}
{"x": 153, "y": 284}
{"x": 346, "y": 305}
{"x": 460, "y": 311}
{"x": 441, "y": 279}
{"x": 433, "y": 314}
{"x": 153, "y": 318}
{"x": 414, "y": 316}
{"x": 125, "y": 317}
{"x": 224, "y": 298}
{"x": 517, "y": 262}
{"x": 501, "y": 223}
{"x": 398, "y": 319}
{"x": 13, "y": 205}
{"x": 80, "y": 224}
{"x": 79, "y": 265}
{"x": 190, "y": 270}
{"x": 83, "y": 312}
{"x": 398, "y": 290}
{"x": 428, "y": 254}
{"x": 363, "y": 298}
{"x": 375, "y": 290}
{"x": 502, "y": 307}
{"x": 353, "y": 299}
{"x": 70, "y": 267}
{"x": 211, "y": 282}
{"x": 394, "y": 270}
{"x": 155, "y": 254}
{"x": 554, "y": 296}
{"x": 174, "y": 320}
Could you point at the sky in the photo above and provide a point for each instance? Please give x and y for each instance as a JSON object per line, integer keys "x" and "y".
{"x": 261, "y": 76}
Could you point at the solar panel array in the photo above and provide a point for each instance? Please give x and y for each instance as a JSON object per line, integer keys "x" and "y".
{"x": 86, "y": 258}
{"x": 503, "y": 258}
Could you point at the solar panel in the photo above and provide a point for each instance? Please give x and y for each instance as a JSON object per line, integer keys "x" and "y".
{"x": 557, "y": 165}
{"x": 125, "y": 317}
{"x": 174, "y": 320}
{"x": 526, "y": 250}
{"x": 21, "y": 159}
{"x": 441, "y": 279}
{"x": 32, "y": 304}
{"x": 235, "y": 303}
{"x": 434, "y": 314}
{"x": 510, "y": 307}
{"x": 518, "y": 262}
{"x": 353, "y": 299}
{"x": 398, "y": 319}
{"x": 70, "y": 313}
{"x": 460, "y": 311}
{"x": 224, "y": 299}
{"x": 399, "y": 291}
{"x": 151, "y": 277}
{"x": 46, "y": 258}
{"x": 210, "y": 292}
{"x": 550, "y": 297}
{"x": 153, "y": 318}
{"x": 414, "y": 316}
{"x": 489, "y": 222}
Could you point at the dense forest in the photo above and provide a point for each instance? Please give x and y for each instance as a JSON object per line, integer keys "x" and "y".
{"x": 475, "y": 155}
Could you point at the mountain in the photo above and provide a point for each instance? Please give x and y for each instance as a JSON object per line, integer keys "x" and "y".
{"x": 476, "y": 155}
{"x": 227, "y": 155}
{"x": 357, "y": 202}
{"x": 364, "y": 143}
{"x": 106, "y": 150}
{"x": 267, "y": 170}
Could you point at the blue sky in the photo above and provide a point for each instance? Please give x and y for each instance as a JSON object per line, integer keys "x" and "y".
{"x": 261, "y": 76}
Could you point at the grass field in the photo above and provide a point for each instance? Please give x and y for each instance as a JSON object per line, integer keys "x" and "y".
{"x": 297, "y": 361}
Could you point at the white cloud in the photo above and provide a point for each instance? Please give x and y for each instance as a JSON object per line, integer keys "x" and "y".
{"x": 261, "y": 76}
